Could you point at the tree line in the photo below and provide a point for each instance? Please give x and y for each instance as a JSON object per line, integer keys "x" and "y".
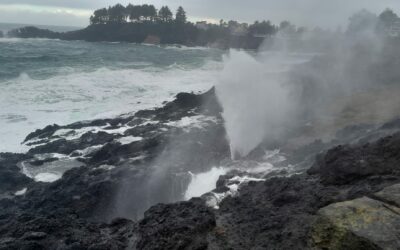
{"x": 144, "y": 23}
{"x": 137, "y": 13}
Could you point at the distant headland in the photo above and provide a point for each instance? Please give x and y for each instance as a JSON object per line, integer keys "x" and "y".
{"x": 146, "y": 24}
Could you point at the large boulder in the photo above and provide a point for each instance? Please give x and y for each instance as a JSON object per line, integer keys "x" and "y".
{"x": 390, "y": 195}
{"x": 363, "y": 223}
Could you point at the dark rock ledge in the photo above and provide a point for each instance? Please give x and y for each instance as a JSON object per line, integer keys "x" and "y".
{"x": 348, "y": 199}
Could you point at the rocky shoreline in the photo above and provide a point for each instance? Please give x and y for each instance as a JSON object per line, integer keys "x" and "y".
{"x": 120, "y": 184}
{"x": 147, "y": 33}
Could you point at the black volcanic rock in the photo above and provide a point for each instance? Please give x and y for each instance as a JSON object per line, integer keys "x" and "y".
{"x": 43, "y": 133}
{"x": 73, "y": 212}
{"x": 183, "y": 225}
{"x": 276, "y": 214}
{"x": 11, "y": 178}
{"x": 138, "y": 163}
{"x": 280, "y": 213}
{"x": 33, "y": 32}
{"x": 346, "y": 164}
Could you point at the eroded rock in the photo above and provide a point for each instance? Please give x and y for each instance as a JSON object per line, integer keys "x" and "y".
{"x": 363, "y": 223}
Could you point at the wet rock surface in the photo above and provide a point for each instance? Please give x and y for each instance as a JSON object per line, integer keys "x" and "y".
{"x": 187, "y": 230}
{"x": 362, "y": 223}
{"x": 346, "y": 164}
{"x": 87, "y": 176}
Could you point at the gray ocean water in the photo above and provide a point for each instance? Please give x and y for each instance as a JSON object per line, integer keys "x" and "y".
{"x": 51, "y": 81}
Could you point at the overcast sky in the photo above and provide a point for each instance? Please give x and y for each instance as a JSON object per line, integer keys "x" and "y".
{"x": 324, "y": 13}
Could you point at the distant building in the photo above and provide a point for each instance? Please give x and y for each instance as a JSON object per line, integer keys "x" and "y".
{"x": 239, "y": 29}
{"x": 203, "y": 25}
{"x": 394, "y": 30}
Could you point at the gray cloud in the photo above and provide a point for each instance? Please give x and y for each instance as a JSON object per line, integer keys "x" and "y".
{"x": 43, "y": 17}
{"x": 302, "y": 12}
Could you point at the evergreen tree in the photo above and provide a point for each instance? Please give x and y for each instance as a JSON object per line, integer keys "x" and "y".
{"x": 151, "y": 12}
{"x": 129, "y": 10}
{"x": 165, "y": 14}
{"x": 99, "y": 16}
{"x": 136, "y": 13}
{"x": 180, "y": 16}
{"x": 388, "y": 18}
{"x": 117, "y": 14}
{"x": 362, "y": 21}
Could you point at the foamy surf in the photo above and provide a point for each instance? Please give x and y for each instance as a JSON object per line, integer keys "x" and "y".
{"x": 75, "y": 91}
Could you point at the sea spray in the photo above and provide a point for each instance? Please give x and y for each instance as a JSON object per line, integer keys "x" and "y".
{"x": 256, "y": 102}
{"x": 203, "y": 182}
{"x": 275, "y": 92}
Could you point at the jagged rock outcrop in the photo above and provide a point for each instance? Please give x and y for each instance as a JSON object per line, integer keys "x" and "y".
{"x": 346, "y": 164}
{"x": 11, "y": 178}
{"x": 109, "y": 166}
{"x": 183, "y": 225}
{"x": 128, "y": 166}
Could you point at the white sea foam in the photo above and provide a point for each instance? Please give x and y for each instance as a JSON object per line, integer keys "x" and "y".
{"x": 198, "y": 121}
{"x": 70, "y": 97}
{"x": 233, "y": 188}
{"x": 106, "y": 167}
{"x": 49, "y": 171}
{"x": 204, "y": 182}
{"x": 47, "y": 177}
{"x": 21, "y": 192}
{"x": 182, "y": 47}
{"x": 129, "y": 139}
{"x": 88, "y": 150}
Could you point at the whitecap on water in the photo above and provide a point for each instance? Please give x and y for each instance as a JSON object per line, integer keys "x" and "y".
{"x": 74, "y": 95}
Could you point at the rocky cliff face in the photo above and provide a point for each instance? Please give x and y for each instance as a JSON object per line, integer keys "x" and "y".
{"x": 138, "y": 167}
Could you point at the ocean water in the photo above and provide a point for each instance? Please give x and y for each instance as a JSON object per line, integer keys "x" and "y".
{"x": 44, "y": 81}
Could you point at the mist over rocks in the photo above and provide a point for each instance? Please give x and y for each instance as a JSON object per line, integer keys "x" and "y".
{"x": 267, "y": 95}
{"x": 283, "y": 212}
{"x": 298, "y": 138}
{"x": 273, "y": 209}
{"x": 293, "y": 149}
{"x": 254, "y": 100}
{"x": 119, "y": 178}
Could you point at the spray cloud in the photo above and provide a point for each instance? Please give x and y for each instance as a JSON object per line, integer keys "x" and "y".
{"x": 268, "y": 95}
{"x": 255, "y": 99}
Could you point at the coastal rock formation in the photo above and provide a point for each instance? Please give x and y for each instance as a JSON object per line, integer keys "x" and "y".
{"x": 364, "y": 223}
{"x": 119, "y": 184}
{"x": 346, "y": 164}
{"x": 189, "y": 229}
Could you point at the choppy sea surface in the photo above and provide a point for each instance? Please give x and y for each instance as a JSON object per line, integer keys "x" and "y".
{"x": 44, "y": 81}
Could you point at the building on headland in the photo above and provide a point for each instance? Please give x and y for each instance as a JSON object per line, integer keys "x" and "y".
{"x": 239, "y": 29}
{"x": 394, "y": 29}
{"x": 203, "y": 25}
